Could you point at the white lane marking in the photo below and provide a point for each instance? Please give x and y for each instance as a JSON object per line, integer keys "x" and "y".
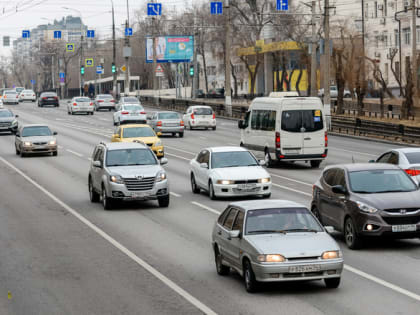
{"x": 74, "y": 152}
{"x": 383, "y": 282}
{"x": 291, "y": 189}
{"x": 60, "y": 147}
{"x": 194, "y": 301}
{"x": 203, "y": 138}
{"x": 290, "y": 179}
{"x": 349, "y": 268}
{"x": 176, "y": 149}
{"x": 357, "y": 152}
{"x": 205, "y": 207}
{"x": 175, "y": 194}
{"x": 177, "y": 156}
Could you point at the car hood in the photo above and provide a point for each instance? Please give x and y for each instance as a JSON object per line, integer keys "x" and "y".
{"x": 38, "y": 139}
{"x": 147, "y": 140}
{"x": 240, "y": 173}
{"x": 391, "y": 200}
{"x": 293, "y": 244}
{"x": 135, "y": 170}
{"x": 7, "y": 119}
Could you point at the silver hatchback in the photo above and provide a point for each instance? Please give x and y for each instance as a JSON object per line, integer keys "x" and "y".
{"x": 166, "y": 122}
{"x": 273, "y": 241}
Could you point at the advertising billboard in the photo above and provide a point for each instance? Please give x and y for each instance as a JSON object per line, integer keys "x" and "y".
{"x": 171, "y": 49}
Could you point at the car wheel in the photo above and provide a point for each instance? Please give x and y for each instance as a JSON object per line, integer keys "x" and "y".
{"x": 221, "y": 269}
{"x": 332, "y": 283}
{"x": 163, "y": 201}
{"x": 350, "y": 234}
{"x": 315, "y": 163}
{"x": 55, "y": 153}
{"x": 93, "y": 195}
{"x": 211, "y": 191}
{"x": 181, "y": 134}
{"x": 17, "y": 151}
{"x": 267, "y": 158}
{"x": 266, "y": 196}
{"x": 251, "y": 284}
{"x": 214, "y": 128}
{"x": 195, "y": 189}
{"x": 189, "y": 126}
{"x": 22, "y": 154}
{"x": 109, "y": 109}
{"x": 106, "y": 201}
{"x": 91, "y": 113}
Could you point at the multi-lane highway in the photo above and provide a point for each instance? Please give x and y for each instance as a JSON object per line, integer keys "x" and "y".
{"x": 61, "y": 254}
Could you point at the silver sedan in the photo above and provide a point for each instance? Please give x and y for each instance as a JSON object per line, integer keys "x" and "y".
{"x": 104, "y": 101}
{"x": 166, "y": 122}
{"x": 406, "y": 158}
{"x": 273, "y": 241}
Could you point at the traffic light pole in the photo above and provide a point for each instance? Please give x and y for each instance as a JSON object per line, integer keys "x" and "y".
{"x": 82, "y": 81}
{"x": 228, "y": 93}
{"x": 127, "y": 68}
{"x": 114, "y": 53}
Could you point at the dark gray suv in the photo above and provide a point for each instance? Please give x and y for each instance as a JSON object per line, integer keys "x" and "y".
{"x": 363, "y": 200}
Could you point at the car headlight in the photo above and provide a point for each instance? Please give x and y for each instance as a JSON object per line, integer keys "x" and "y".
{"x": 52, "y": 142}
{"x": 366, "y": 208}
{"x": 160, "y": 176}
{"x": 271, "y": 258}
{"x": 334, "y": 254}
{"x": 225, "y": 182}
{"x": 27, "y": 144}
{"x": 158, "y": 143}
{"x": 264, "y": 180}
{"x": 117, "y": 179}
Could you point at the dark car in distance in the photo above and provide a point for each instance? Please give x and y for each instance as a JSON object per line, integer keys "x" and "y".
{"x": 216, "y": 93}
{"x": 367, "y": 200}
{"x": 48, "y": 98}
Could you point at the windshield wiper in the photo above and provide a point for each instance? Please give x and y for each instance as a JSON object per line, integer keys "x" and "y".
{"x": 364, "y": 192}
{"x": 267, "y": 231}
{"x": 301, "y": 230}
{"x": 391, "y": 191}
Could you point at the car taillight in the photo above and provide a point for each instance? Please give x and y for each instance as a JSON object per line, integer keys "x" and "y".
{"x": 182, "y": 123}
{"x": 214, "y": 116}
{"x": 74, "y": 104}
{"x": 17, "y": 96}
{"x": 412, "y": 172}
{"x": 33, "y": 95}
{"x": 159, "y": 124}
{"x": 277, "y": 140}
{"x": 100, "y": 101}
{"x": 192, "y": 116}
{"x": 326, "y": 139}
{"x": 143, "y": 113}
{"x": 55, "y": 97}
{"x": 112, "y": 101}
{"x": 124, "y": 113}
{"x": 44, "y": 98}
{"x": 91, "y": 104}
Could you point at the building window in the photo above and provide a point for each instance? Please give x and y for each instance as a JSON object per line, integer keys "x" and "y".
{"x": 385, "y": 39}
{"x": 386, "y": 73}
{"x": 406, "y": 34}
{"x": 366, "y": 10}
{"x": 376, "y": 9}
{"x": 397, "y": 69}
{"x": 396, "y": 37}
{"x": 418, "y": 34}
{"x": 385, "y": 10}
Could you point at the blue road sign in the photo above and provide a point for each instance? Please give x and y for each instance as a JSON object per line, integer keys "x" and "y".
{"x": 99, "y": 70}
{"x": 216, "y": 8}
{"x": 70, "y": 47}
{"x": 32, "y": 81}
{"x": 154, "y": 9}
{"x": 62, "y": 75}
{"x": 128, "y": 31}
{"x": 89, "y": 62}
{"x": 26, "y": 34}
{"x": 90, "y": 33}
{"x": 57, "y": 34}
{"x": 282, "y": 5}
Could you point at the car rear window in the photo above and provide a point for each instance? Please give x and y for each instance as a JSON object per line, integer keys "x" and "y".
{"x": 104, "y": 96}
{"x": 10, "y": 92}
{"x": 137, "y": 132}
{"x": 295, "y": 120}
{"x": 168, "y": 116}
{"x": 131, "y": 100}
{"x": 203, "y": 111}
{"x": 133, "y": 108}
{"x": 413, "y": 157}
{"x": 82, "y": 99}
{"x": 48, "y": 94}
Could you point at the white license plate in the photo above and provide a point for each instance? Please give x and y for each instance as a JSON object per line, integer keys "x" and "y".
{"x": 171, "y": 125}
{"x": 138, "y": 194}
{"x": 286, "y": 151}
{"x": 308, "y": 268}
{"x": 247, "y": 186}
{"x": 404, "y": 228}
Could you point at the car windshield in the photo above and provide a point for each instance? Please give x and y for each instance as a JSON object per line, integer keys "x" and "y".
{"x": 6, "y": 113}
{"x": 127, "y": 157}
{"x": 283, "y": 220}
{"x": 380, "y": 181}
{"x": 168, "y": 116}
{"x": 130, "y": 100}
{"x": 232, "y": 159}
{"x": 137, "y": 132}
{"x": 82, "y": 99}
{"x": 203, "y": 111}
{"x": 36, "y": 131}
{"x": 413, "y": 157}
{"x": 295, "y": 120}
{"x": 136, "y": 108}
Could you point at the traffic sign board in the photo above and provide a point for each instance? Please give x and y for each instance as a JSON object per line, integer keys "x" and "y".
{"x": 57, "y": 34}
{"x": 282, "y": 5}
{"x": 62, "y": 75}
{"x": 32, "y": 81}
{"x": 128, "y": 31}
{"x": 99, "y": 70}
{"x": 89, "y": 62}
{"x": 216, "y": 8}
{"x": 26, "y": 34}
{"x": 159, "y": 68}
{"x": 70, "y": 47}
{"x": 154, "y": 9}
{"x": 90, "y": 33}
{"x": 123, "y": 68}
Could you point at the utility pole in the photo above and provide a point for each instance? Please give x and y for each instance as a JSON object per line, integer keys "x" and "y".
{"x": 155, "y": 87}
{"x": 327, "y": 100}
{"x": 313, "y": 51}
{"x": 127, "y": 54}
{"x": 114, "y": 53}
{"x": 195, "y": 76}
{"x": 82, "y": 81}
{"x": 228, "y": 94}
{"x": 414, "y": 49}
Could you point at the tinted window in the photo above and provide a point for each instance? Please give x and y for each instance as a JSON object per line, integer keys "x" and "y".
{"x": 48, "y": 94}
{"x": 413, "y": 157}
{"x": 246, "y": 119}
{"x": 82, "y": 100}
{"x": 229, "y": 219}
{"x": 295, "y": 120}
{"x": 340, "y": 178}
{"x": 393, "y": 159}
{"x": 232, "y": 159}
{"x": 126, "y": 157}
{"x": 130, "y": 100}
{"x": 138, "y": 132}
{"x": 239, "y": 222}
{"x": 384, "y": 158}
{"x": 36, "y": 131}
{"x": 133, "y": 108}
{"x": 380, "y": 181}
{"x": 168, "y": 116}
{"x": 206, "y": 157}
{"x": 6, "y": 113}
{"x": 329, "y": 176}
{"x": 263, "y": 120}
{"x": 203, "y": 111}
{"x": 223, "y": 216}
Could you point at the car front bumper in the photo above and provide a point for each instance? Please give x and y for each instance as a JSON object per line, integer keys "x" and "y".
{"x": 120, "y": 192}
{"x": 277, "y": 272}
{"x": 236, "y": 190}
{"x": 39, "y": 149}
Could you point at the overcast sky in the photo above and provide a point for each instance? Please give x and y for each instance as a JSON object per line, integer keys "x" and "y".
{"x": 17, "y": 15}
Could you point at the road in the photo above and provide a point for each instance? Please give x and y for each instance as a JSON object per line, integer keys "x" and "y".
{"x": 61, "y": 254}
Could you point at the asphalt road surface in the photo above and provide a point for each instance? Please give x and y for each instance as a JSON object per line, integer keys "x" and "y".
{"x": 61, "y": 254}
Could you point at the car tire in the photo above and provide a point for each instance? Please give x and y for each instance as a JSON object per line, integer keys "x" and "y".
{"x": 211, "y": 191}
{"x": 332, "y": 283}
{"x": 109, "y": 109}
{"x": 317, "y": 215}
{"x": 267, "y": 158}
{"x": 351, "y": 237}
{"x": 22, "y": 154}
{"x": 106, "y": 201}
{"x": 315, "y": 163}
{"x": 17, "y": 151}
{"x": 181, "y": 134}
{"x": 189, "y": 126}
{"x": 266, "y": 196}
{"x": 222, "y": 270}
{"x": 214, "y": 128}
{"x": 55, "y": 153}
{"x": 93, "y": 195}
{"x": 195, "y": 189}
{"x": 251, "y": 284}
{"x": 163, "y": 201}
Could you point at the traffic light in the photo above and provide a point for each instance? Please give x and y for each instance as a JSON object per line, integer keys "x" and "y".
{"x": 192, "y": 70}
{"x": 82, "y": 70}
{"x": 113, "y": 68}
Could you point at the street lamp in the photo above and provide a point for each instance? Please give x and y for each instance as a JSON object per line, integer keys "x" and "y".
{"x": 114, "y": 52}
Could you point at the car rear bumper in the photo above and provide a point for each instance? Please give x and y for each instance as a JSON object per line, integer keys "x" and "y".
{"x": 11, "y": 101}
{"x": 169, "y": 129}
{"x": 83, "y": 110}
{"x": 203, "y": 124}
{"x": 301, "y": 157}
{"x": 105, "y": 106}
{"x": 234, "y": 190}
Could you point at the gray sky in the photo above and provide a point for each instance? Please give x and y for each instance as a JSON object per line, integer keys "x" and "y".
{"x": 96, "y": 14}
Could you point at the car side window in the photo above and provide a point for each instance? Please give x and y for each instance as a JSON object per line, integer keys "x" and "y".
{"x": 97, "y": 154}
{"x": 239, "y": 222}
{"x": 329, "y": 176}
{"x": 393, "y": 159}
{"x": 230, "y": 218}
{"x": 246, "y": 119}
{"x": 340, "y": 178}
{"x": 206, "y": 157}
{"x": 101, "y": 156}
{"x": 223, "y": 216}
{"x": 200, "y": 157}
{"x": 384, "y": 158}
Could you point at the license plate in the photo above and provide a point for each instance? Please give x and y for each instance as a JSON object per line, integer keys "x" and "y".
{"x": 404, "y": 228}
{"x": 294, "y": 151}
{"x": 171, "y": 125}
{"x": 138, "y": 194}
{"x": 246, "y": 186}
{"x": 308, "y": 268}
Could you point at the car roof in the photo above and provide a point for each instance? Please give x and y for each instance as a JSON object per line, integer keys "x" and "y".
{"x": 226, "y": 149}
{"x": 166, "y": 111}
{"x": 134, "y": 125}
{"x": 266, "y": 204}
{"x": 35, "y": 125}
{"x": 124, "y": 145}
{"x": 200, "y": 106}
{"x": 406, "y": 150}
{"x": 355, "y": 167}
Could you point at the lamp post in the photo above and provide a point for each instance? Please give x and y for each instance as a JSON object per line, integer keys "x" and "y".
{"x": 399, "y": 45}
{"x": 114, "y": 53}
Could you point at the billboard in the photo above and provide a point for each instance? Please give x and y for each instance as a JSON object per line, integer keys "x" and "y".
{"x": 171, "y": 49}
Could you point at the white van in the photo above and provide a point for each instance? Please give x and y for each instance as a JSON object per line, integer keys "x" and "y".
{"x": 286, "y": 129}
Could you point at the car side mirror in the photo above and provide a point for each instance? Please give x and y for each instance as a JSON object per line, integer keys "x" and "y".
{"x": 97, "y": 164}
{"x": 338, "y": 189}
{"x": 204, "y": 165}
{"x": 261, "y": 162}
{"x": 234, "y": 234}
{"x": 159, "y": 134}
{"x": 163, "y": 161}
{"x": 329, "y": 229}
{"x": 55, "y": 133}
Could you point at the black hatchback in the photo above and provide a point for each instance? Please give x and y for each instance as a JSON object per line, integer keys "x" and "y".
{"x": 48, "y": 98}
{"x": 363, "y": 200}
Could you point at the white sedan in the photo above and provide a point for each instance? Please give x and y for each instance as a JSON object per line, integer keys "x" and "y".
{"x": 80, "y": 104}
{"x": 229, "y": 172}
{"x": 27, "y": 95}
{"x": 199, "y": 117}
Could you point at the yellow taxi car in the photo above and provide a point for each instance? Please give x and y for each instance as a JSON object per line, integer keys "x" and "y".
{"x": 140, "y": 132}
